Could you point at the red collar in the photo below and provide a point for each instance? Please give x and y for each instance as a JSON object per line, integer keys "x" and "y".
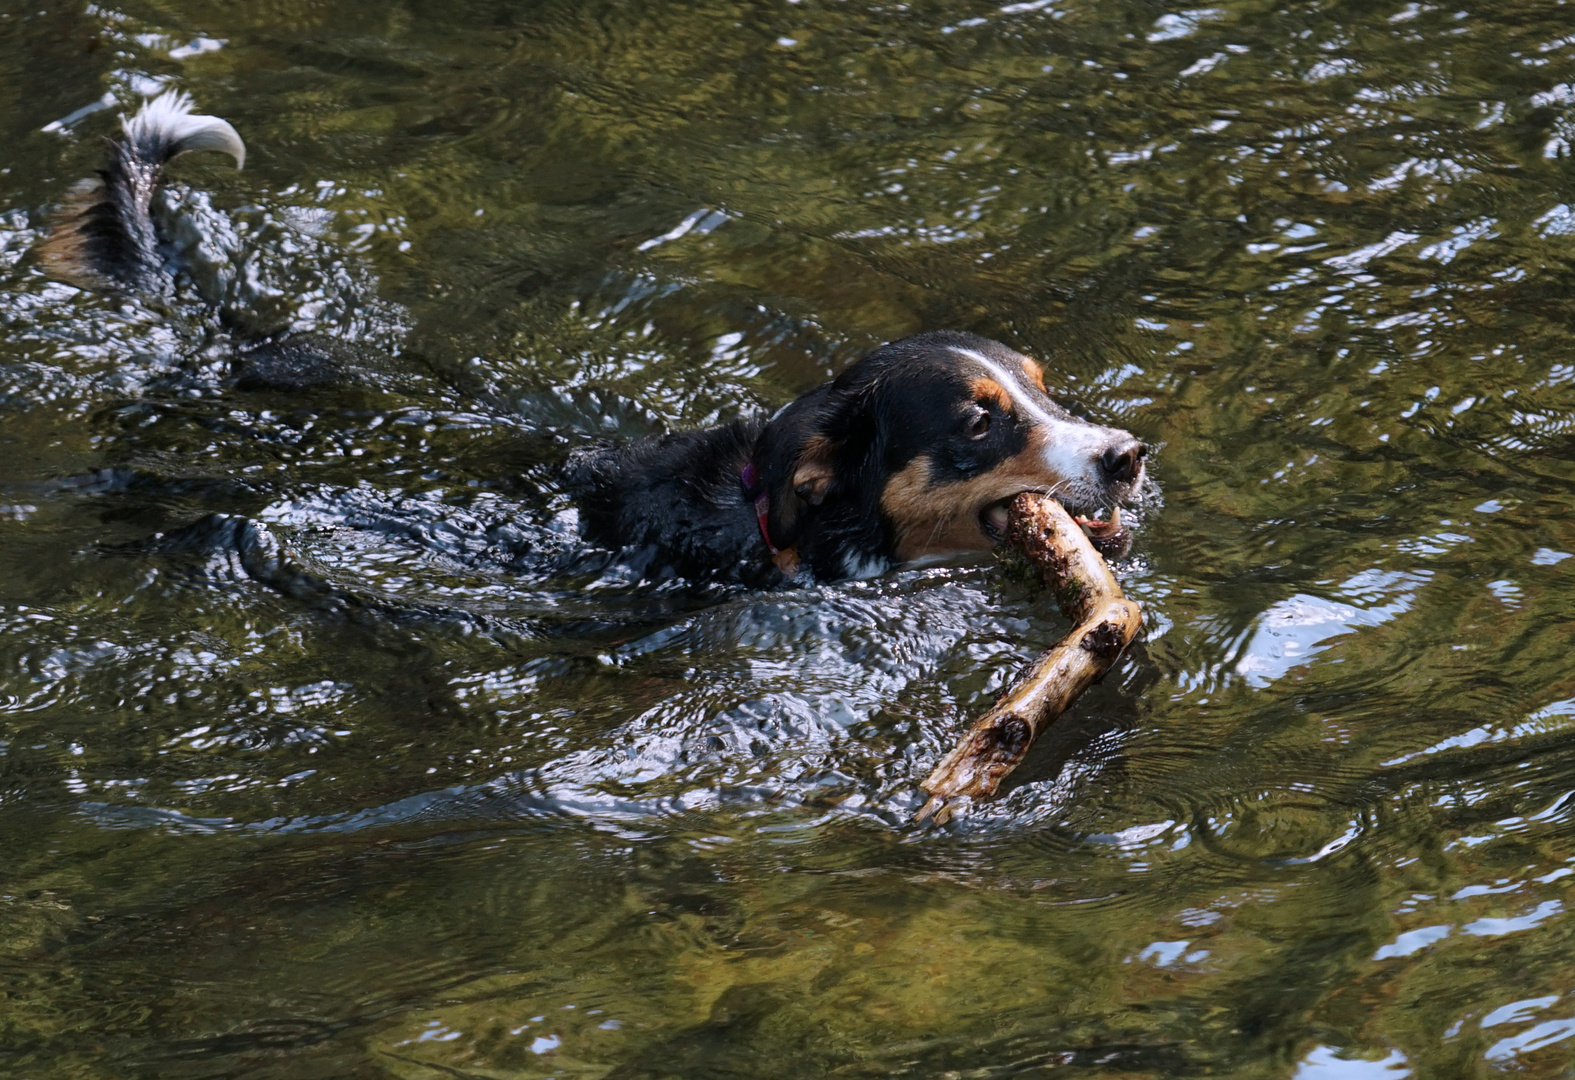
{"x": 755, "y": 491}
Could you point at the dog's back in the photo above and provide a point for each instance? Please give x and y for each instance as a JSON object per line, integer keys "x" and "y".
{"x": 673, "y": 504}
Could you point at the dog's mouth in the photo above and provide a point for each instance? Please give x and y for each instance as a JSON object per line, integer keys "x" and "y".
{"x": 1103, "y": 525}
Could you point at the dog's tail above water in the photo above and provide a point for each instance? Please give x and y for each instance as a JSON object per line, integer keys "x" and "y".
{"x": 103, "y": 236}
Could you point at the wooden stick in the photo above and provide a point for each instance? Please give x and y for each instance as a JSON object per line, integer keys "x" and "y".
{"x": 1105, "y": 624}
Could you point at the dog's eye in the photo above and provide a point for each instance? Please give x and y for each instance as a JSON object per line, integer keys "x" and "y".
{"x": 979, "y": 424}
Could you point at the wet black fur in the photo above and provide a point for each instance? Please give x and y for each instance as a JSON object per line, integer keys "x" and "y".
{"x": 673, "y": 503}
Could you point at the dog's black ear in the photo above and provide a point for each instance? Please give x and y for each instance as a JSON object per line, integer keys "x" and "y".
{"x": 802, "y": 452}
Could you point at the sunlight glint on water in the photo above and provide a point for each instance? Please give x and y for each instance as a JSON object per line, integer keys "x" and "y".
{"x": 320, "y": 755}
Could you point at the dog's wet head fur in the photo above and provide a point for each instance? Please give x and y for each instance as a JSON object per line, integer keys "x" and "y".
{"x": 908, "y": 456}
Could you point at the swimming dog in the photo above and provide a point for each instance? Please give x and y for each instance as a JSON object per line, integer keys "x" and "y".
{"x": 909, "y": 456}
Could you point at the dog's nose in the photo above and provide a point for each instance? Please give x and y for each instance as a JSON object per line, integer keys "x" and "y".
{"x": 1122, "y": 461}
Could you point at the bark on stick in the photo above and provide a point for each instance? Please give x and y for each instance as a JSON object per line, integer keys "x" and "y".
{"x": 1105, "y": 624}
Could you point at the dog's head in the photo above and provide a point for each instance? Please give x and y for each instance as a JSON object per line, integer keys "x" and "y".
{"x": 913, "y": 452}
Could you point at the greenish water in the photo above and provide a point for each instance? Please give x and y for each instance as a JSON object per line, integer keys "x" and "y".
{"x": 352, "y": 781}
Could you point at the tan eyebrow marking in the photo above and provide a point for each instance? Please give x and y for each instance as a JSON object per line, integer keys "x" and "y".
{"x": 987, "y": 389}
{"x": 1035, "y": 373}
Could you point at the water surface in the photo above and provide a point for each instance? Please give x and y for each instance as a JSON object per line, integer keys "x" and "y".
{"x": 320, "y": 757}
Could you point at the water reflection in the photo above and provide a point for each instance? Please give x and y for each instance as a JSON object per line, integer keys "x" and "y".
{"x": 305, "y": 681}
{"x": 1328, "y": 1063}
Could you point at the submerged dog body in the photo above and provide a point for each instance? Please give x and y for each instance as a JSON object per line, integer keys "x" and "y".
{"x": 910, "y": 455}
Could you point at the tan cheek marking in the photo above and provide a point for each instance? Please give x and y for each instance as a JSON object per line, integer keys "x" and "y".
{"x": 1035, "y": 374}
{"x": 928, "y": 518}
{"x": 984, "y": 389}
{"x": 943, "y": 519}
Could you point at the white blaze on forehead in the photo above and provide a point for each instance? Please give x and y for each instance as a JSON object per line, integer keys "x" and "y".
{"x": 1071, "y": 447}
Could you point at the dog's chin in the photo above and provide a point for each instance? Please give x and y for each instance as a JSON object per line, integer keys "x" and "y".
{"x": 1102, "y": 525}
